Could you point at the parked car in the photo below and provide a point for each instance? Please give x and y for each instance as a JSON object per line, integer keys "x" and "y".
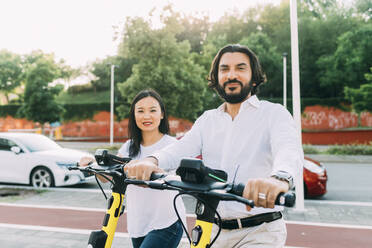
{"x": 29, "y": 158}
{"x": 315, "y": 178}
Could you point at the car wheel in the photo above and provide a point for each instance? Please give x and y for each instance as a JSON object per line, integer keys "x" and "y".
{"x": 42, "y": 177}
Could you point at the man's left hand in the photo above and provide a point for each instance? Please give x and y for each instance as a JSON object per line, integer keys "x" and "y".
{"x": 264, "y": 191}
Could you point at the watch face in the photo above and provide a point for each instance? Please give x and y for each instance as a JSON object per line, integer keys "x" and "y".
{"x": 284, "y": 176}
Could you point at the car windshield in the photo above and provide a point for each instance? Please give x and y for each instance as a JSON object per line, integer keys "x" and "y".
{"x": 38, "y": 143}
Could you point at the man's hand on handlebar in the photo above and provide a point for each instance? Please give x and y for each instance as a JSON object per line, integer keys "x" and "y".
{"x": 142, "y": 169}
{"x": 264, "y": 191}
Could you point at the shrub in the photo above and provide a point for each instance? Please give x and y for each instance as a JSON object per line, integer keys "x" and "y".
{"x": 350, "y": 150}
{"x": 308, "y": 149}
{"x": 76, "y": 89}
{"x": 10, "y": 109}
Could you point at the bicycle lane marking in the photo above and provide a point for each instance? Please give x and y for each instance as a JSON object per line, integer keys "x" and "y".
{"x": 300, "y": 234}
{"x": 307, "y": 234}
{"x": 70, "y": 231}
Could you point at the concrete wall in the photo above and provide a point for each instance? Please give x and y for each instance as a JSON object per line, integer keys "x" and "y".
{"x": 321, "y": 126}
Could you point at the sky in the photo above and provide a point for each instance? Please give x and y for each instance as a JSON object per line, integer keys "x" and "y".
{"x": 81, "y": 31}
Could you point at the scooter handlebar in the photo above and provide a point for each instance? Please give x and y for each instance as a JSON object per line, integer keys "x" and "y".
{"x": 287, "y": 199}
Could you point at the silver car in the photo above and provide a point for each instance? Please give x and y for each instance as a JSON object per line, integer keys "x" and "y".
{"x": 28, "y": 158}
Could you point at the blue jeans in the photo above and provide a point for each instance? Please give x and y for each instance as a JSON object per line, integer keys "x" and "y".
{"x": 167, "y": 237}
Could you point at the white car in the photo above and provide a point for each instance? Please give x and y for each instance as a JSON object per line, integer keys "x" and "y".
{"x": 29, "y": 158}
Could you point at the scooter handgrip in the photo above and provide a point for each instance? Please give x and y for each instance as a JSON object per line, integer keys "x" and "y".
{"x": 238, "y": 189}
{"x": 155, "y": 176}
{"x": 286, "y": 199}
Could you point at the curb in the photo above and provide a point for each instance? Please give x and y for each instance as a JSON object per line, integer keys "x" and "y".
{"x": 367, "y": 159}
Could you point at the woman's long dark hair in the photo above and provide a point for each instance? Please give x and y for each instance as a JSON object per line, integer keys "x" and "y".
{"x": 134, "y": 133}
{"x": 258, "y": 76}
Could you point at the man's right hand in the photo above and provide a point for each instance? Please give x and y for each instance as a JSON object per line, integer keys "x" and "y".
{"x": 142, "y": 169}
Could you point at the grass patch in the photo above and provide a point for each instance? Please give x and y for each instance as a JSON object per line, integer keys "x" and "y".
{"x": 350, "y": 150}
{"x": 14, "y": 194}
{"x": 308, "y": 149}
{"x": 84, "y": 97}
{"x": 340, "y": 150}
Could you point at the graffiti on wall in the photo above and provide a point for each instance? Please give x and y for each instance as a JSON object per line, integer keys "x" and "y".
{"x": 324, "y": 118}
{"x": 366, "y": 119}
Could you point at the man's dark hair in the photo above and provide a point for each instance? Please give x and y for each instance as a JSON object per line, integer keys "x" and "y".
{"x": 258, "y": 76}
{"x": 134, "y": 133}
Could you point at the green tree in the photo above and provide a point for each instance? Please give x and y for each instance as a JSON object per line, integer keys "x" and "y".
{"x": 319, "y": 8}
{"x": 274, "y": 21}
{"x": 318, "y": 40}
{"x": 364, "y": 8}
{"x": 351, "y": 60}
{"x": 68, "y": 73}
{"x": 102, "y": 70}
{"x": 39, "y": 98}
{"x": 270, "y": 60}
{"x": 195, "y": 30}
{"x": 10, "y": 72}
{"x": 164, "y": 65}
{"x": 361, "y": 98}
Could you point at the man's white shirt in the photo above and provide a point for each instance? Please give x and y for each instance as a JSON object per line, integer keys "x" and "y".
{"x": 261, "y": 140}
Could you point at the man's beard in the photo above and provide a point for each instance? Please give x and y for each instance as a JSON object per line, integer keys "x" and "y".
{"x": 234, "y": 98}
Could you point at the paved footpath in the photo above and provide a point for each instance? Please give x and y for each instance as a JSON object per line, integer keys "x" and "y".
{"x": 65, "y": 217}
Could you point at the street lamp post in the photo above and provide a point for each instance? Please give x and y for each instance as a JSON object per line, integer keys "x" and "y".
{"x": 112, "y": 106}
{"x": 300, "y": 205}
{"x": 285, "y": 80}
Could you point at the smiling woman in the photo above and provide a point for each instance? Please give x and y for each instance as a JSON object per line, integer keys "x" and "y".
{"x": 148, "y": 120}
{"x": 148, "y": 130}
{"x": 148, "y": 114}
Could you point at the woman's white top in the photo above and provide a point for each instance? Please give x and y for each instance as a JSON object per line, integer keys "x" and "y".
{"x": 150, "y": 209}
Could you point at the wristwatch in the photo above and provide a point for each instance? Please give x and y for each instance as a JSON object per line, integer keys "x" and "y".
{"x": 284, "y": 176}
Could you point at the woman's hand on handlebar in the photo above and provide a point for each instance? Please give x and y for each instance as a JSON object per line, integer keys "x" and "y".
{"x": 142, "y": 169}
{"x": 85, "y": 161}
{"x": 264, "y": 191}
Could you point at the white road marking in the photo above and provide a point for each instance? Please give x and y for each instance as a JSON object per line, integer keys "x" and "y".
{"x": 345, "y": 203}
{"x": 328, "y": 225}
{"x": 51, "y": 207}
{"x": 79, "y": 231}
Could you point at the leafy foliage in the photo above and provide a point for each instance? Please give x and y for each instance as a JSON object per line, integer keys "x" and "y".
{"x": 10, "y": 71}
{"x": 102, "y": 70}
{"x": 39, "y": 104}
{"x": 174, "y": 58}
{"x": 84, "y": 97}
{"x": 340, "y": 150}
{"x": 361, "y": 98}
{"x": 350, "y": 150}
{"x": 349, "y": 63}
{"x": 270, "y": 61}
{"x": 165, "y": 66}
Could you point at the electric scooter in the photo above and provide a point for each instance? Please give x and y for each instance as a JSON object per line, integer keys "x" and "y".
{"x": 192, "y": 177}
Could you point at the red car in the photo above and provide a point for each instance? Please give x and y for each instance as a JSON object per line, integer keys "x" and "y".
{"x": 315, "y": 178}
